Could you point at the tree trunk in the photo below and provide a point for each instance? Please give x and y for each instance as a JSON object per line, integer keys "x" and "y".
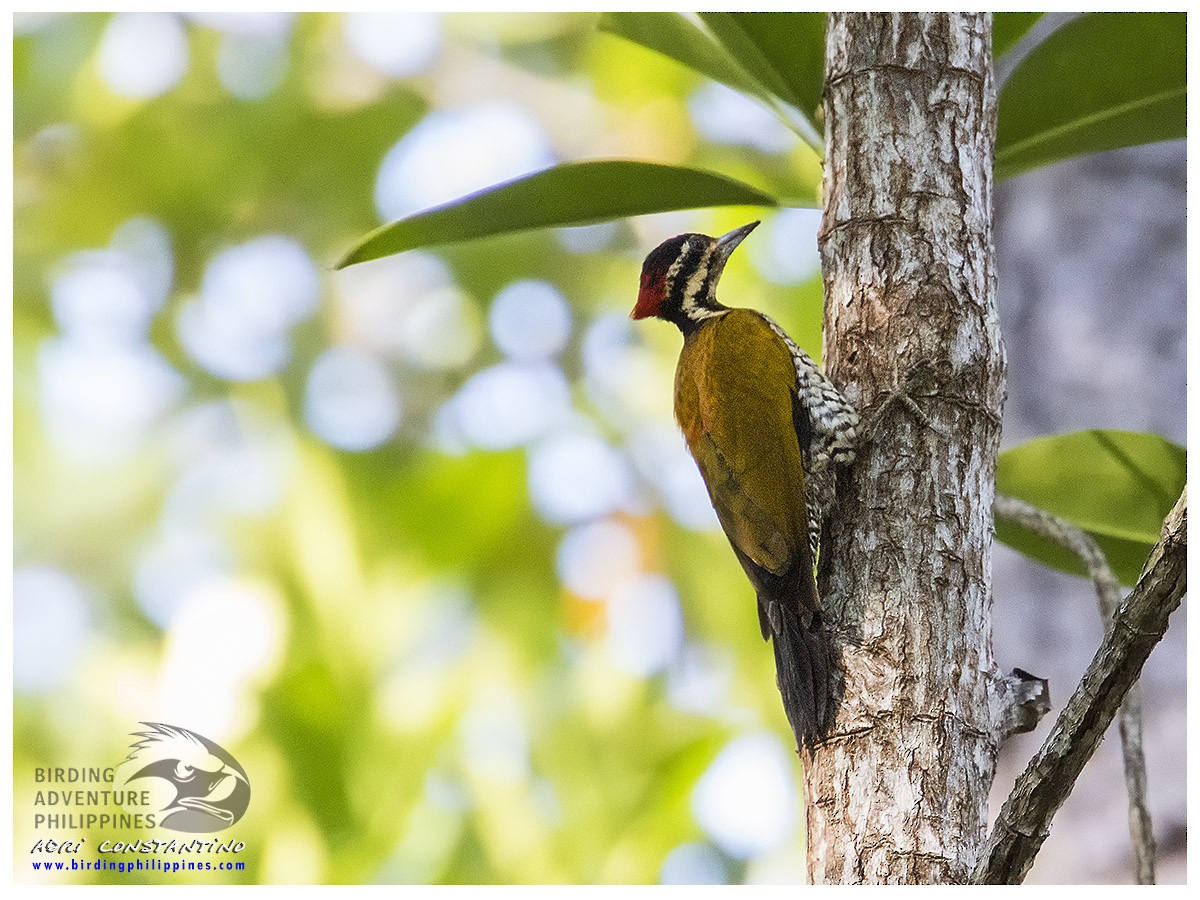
{"x": 899, "y": 791}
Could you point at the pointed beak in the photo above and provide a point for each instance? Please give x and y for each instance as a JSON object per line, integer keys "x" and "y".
{"x": 727, "y": 243}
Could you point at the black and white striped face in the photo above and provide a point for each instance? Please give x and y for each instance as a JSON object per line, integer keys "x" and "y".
{"x": 679, "y": 278}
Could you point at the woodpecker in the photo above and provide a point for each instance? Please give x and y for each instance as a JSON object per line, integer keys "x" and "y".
{"x": 767, "y": 429}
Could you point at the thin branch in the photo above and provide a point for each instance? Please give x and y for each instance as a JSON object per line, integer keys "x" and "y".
{"x": 1141, "y": 829}
{"x": 1108, "y": 594}
{"x": 1138, "y": 625}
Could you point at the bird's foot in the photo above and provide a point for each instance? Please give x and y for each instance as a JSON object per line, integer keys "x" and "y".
{"x": 900, "y": 393}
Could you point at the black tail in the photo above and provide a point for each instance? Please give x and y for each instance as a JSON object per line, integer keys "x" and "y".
{"x": 804, "y": 672}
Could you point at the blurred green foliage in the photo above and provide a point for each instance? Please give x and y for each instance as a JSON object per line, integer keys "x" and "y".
{"x": 409, "y": 591}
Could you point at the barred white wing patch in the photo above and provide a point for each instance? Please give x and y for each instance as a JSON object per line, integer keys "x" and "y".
{"x": 832, "y": 431}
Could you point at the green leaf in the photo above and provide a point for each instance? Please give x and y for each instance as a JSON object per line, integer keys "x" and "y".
{"x": 1009, "y": 28}
{"x": 1102, "y": 81}
{"x": 783, "y": 51}
{"x": 677, "y": 37}
{"x": 740, "y": 54}
{"x": 579, "y": 193}
{"x": 1118, "y": 486}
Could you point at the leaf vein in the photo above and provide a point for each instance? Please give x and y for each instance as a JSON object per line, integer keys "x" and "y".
{"x": 1111, "y": 112}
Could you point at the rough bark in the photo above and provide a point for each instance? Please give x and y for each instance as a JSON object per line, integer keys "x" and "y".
{"x": 898, "y": 793}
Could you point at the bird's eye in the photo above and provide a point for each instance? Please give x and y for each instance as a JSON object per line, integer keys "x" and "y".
{"x": 183, "y": 772}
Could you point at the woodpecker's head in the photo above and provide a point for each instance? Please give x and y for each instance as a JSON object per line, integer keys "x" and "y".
{"x": 679, "y": 277}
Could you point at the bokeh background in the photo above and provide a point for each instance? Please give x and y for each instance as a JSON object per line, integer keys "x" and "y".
{"x": 417, "y": 541}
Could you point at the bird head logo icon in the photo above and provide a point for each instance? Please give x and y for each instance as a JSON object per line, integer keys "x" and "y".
{"x": 197, "y": 785}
